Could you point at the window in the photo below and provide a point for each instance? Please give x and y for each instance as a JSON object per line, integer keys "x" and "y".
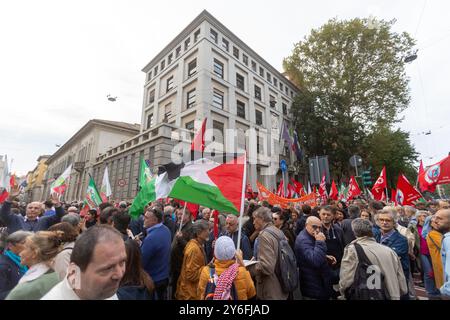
{"x": 151, "y": 96}
{"x": 218, "y": 68}
{"x": 190, "y": 98}
{"x": 225, "y": 44}
{"x": 218, "y": 99}
{"x": 169, "y": 84}
{"x": 240, "y": 109}
{"x": 261, "y": 72}
{"x": 196, "y": 35}
{"x": 281, "y": 86}
{"x": 259, "y": 117}
{"x": 187, "y": 43}
{"x": 254, "y": 66}
{"x": 236, "y": 52}
{"x": 240, "y": 82}
{"x": 284, "y": 106}
{"x": 149, "y": 76}
{"x": 245, "y": 59}
{"x": 149, "y": 121}
{"x": 269, "y": 77}
{"x": 168, "y": 110}
{"x": 286, "y": 89}
{"x": 192, "y": 67}
{"x": 273, "y": 102}
{"x": 257, "y": 92}
{"x": 218, "y": 136}
{"x": 190, "y": 126}
{"x": 177, "y": 52}
{"x": 213, "y": 35}
{"x": 259, "y": 145}
{"x": 163, "y": 65}
{"x": 156, "y": 70}
{"x": 292, "y": 94}
{"x": 275, "y": 82}
{"x": 169, "y": 59}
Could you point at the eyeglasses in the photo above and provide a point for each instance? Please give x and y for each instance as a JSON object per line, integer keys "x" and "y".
{"x": 385, "y": 220}
{"x": 315, "y": 227}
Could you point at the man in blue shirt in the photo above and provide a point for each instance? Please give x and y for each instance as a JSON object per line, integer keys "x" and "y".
{"x": 156, "y": 251}
{"x": 442, "y": 220}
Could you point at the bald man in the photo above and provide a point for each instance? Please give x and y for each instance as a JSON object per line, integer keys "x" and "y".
{"x": 31, "y": 221}
{"x": 313, "y": 262}
{"x": 442, "y": 222}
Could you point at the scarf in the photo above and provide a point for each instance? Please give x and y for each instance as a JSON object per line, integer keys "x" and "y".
{"x": 225, "y": 282}
{"x": 34, "y": 272}
{"x": 16, "y": 259}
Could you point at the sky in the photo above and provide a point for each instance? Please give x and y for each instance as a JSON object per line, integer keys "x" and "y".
{"x": 60, "y": 59}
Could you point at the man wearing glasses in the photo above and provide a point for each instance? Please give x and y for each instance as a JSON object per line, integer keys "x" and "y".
{"x": 311, "y": 254}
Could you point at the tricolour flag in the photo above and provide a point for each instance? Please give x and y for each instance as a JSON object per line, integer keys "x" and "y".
{"x": 379, "y": 186}
{"x": 406, "y": 193}
{"x": 206, "y": 182}
{"x": 438, "y": 173}
{"x": 92, "y": 199}
{"x": 105, "y": 189}
{"x": 60, "y": 185}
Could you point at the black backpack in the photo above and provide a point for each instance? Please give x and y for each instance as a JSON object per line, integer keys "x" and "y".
{"x": 286, "y": 266}
{"x": 211, "y": 286}
{"x": 360, "y": 290}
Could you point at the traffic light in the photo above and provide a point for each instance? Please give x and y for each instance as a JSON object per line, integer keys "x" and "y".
{"x": 366, "y": 178}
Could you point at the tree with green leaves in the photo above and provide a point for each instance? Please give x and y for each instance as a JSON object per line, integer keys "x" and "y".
{"x": 352, "y": 80}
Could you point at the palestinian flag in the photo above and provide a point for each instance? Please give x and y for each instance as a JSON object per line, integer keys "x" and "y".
{"x": 217, "y": 183}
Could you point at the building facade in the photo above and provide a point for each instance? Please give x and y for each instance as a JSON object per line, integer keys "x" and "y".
{"x": 206, "y": 71}
{"x": 94, "y": 138}
{"x": 35, "y": 186}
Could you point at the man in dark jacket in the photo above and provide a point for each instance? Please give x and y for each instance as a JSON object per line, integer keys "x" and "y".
{"x": 346, "y": 225}
{"x": 389, "y": 236}
{"x": 312, "y": 260}
{"x": 31, "y": 221}
{"x": 10, "y": 268}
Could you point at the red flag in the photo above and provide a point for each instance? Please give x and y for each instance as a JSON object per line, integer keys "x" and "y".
{"x": 380, "y": 185}
{"x": 421, "y": 178}
{"x": 249, "y": 191}
{"x": 406, "y": 193}
{"x": 4, "y": 195}
{"x": 438, "y": 173}
{"x": 394, "y": 196}
{"x": 353, "y": 189}
{"x": 280, "y": 191}
{"x": 298, "y": 187}
{"x": 291, "y": 191}
{"x": 323, "y": 189}
{"x": 193, "y": 208}
{"x": 334, "y": 191}
{"x": 198, "y": 144}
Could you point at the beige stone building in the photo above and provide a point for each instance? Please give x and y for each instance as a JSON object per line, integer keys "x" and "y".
{"x": 206, "y": 71}
{"x": 93, "y": 139}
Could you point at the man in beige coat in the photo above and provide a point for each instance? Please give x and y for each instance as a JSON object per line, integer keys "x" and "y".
{"x": 268, "y": 287}
{"x": 381, "y": 256}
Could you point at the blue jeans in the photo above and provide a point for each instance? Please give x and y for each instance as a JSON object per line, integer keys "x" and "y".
{"x": 430, "y": 285}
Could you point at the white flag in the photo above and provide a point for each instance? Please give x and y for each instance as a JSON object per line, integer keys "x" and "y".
{"x": 4, "y": 176}
{"x": 105, "y": 190}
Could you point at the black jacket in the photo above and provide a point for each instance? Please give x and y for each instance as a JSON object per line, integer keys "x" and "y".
{"x": 9, "y": 275}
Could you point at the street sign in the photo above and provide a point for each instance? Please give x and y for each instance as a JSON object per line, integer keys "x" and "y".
{"x": 355, "y": 161}
{"x": 121, "y": 182}
{"x": 283, "y": 165}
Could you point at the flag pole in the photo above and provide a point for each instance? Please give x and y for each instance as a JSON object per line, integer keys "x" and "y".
{"x": 182, "y": 216}
{"x": 241, "y": 211}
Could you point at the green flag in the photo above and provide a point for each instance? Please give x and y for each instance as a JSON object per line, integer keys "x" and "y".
{"x": 145, "y": 195}
{"x": 145, "y": 174}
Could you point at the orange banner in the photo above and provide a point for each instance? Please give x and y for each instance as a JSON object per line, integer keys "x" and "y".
{"x": 265, "y": 194}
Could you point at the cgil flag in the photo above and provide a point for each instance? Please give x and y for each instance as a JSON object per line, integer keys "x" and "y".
{"x": 353, "y": 189}
{"x": 334, "y": 191}
{"x": 406, "y": 194}
{"x": 60, "y": 185}
{"x": 379, "y": 186}
{"x": 206, "y": 182}
{"x": 323, "y": 189}
{"x": 438, "y": 173}
{"x": 105, "y": 190}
